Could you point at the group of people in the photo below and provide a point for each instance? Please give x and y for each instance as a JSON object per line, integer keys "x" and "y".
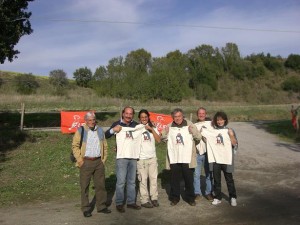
{"x": 190, "y": 147}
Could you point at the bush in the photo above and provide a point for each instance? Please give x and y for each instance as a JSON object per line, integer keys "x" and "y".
{"x": 26, "y": 84}
{"x": 293, "y": 62}
{"x": 291, "y": 84}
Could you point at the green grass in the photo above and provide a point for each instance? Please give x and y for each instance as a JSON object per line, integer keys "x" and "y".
{"x": 38, "y": 168}
{"x": 284, "y": 130}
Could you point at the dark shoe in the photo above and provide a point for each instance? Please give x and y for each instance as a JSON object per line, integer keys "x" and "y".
{"x": 87, "y": 214}
{"x": 198, "y": 197}
{"x": 209, "y": 197}
{"x": 155, "y": 203}
{"x": 120, "y": 208}
{"x": 147, "y": 205}
{"x": 192, "y": 203}
{"x": 105, "y": 211}
{"x": 174, "y": 202}
{"x": 134, "y": 206}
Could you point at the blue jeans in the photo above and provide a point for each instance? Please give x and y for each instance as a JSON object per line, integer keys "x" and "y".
{"x": 202, "y": 161}
{"x": 126, "y": 174}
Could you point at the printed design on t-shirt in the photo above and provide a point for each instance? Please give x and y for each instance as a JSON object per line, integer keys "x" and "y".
{"x": 146, "y": 136}
{"x": 129, "y": 135}
{"x": 219, "y": 139}
{"x": 179, "y": 139}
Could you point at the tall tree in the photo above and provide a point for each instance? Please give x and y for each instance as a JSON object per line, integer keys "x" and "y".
{"x": 58, "y": 78}
{"x": 14, "y": 23}
{"x": 83, "y": 76}
{"x": 100, "y": 73}
{"x": 231, "y": 55}
{"x": 138, "y": 62}
{"x": 115, "y": 67}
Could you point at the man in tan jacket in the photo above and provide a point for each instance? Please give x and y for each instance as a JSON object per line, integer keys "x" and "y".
{"x": 90, "y": 159}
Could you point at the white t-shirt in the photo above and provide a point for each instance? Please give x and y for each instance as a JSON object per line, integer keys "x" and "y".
{"x": 180, "y": 145}
{"x": 148, "y": 145}
{"x": 219, "y": 147}
{"x": 129, "y": 142}
{"x": 203, "y": 125}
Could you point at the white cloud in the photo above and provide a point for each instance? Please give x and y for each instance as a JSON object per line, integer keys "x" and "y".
{"x": 69, "y": 45}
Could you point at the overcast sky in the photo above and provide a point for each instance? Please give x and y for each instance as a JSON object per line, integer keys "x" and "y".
{"x": 70, "y": 34}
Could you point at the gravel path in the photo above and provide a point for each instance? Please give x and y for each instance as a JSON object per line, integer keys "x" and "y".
{"x": 267, "y": 181}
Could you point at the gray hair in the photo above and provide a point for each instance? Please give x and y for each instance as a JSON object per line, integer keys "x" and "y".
{"x": 201, "y": 108}
{"x": 176, "y": 111}
{"x": 88, "y": 115}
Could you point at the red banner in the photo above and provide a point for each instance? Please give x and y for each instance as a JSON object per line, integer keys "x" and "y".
{"x": 70, "y": 121}
{"x": 161, "y": 120}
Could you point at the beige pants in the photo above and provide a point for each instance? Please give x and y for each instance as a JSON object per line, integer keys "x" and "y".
{"x": 147, "y": 169}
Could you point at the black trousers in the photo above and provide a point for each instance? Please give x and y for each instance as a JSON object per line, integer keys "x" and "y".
{"x": 179, "y": 171}
{"x": 217, "y": 168}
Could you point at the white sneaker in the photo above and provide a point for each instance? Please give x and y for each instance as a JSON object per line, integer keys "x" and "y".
{"x": 216, "y": 201}
{"x": 233, "y": 202}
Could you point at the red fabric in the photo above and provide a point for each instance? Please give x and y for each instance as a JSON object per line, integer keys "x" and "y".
{"x": 161, "y": 120}
{"x": 70, "y": 121}
{"x": 294, "y": 121}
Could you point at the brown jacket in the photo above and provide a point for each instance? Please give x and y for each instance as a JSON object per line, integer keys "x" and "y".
{"x": 80, "y": 152}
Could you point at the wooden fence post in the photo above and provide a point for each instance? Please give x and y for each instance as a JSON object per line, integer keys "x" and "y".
{"x": 22, "y": 115}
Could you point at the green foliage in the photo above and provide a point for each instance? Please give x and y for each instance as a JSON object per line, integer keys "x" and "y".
{"x": 26, "y": 84}
{"x": 1, "y": 81}
{"x": 274, "y": 64}
{"x": 205, "y": 67}
{"x": 58, "y": 78}
{"x": 293, "y": 62}
{"x": 291, "y": 84}
{"x": 14, "y": 23}
{"x": 83, "y": 76}
{"x": 231, "y": 55}
{"x": 100, "y": 73}
{"x": 137, "y": 62}
{"x": 284, "y": 129}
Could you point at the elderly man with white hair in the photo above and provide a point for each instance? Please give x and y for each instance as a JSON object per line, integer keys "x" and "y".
{"x": 91, "y": 154}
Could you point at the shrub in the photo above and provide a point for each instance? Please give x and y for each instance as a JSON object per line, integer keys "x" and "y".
{"x": 293, "y": 62}
{"x": 291, "y": 84}
{"x": 26, "y": 84}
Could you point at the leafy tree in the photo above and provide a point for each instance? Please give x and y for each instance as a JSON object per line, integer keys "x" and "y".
{"x": 293, "y": 62}
{"x": 168, "y": 80}
{"x": 274, "y": 64}
{"x": 231, "y": 55}
{"x": 115, "y": 67}
{"x": 205, "y": 66}
{"x": 100, "y": 73}
{"x": 138, "y": 62}
{"x": 83, "y": 76}
{"x": 26, "y": 84}
{"x": 14, "y": 23}
{"x": 58, "y": 78}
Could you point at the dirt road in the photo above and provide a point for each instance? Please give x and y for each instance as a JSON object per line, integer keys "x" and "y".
{"x": 267, "y": 180}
